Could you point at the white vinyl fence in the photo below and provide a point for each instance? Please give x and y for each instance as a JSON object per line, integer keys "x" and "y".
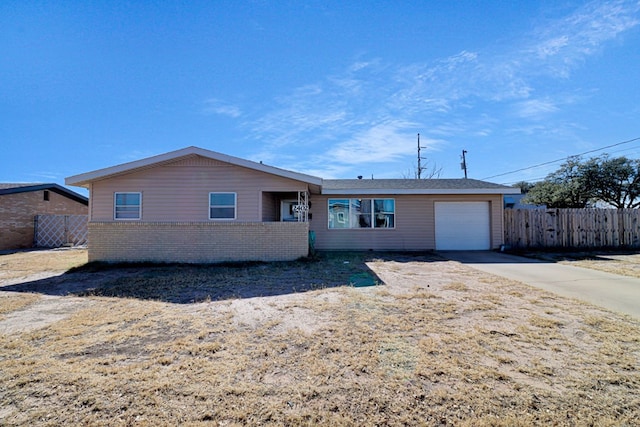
{"x": 54, "y": 231}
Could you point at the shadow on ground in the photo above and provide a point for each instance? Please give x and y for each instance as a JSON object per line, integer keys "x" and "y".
{"x": 538, "y": 256}
{"x": 578, "y": 255}
{"x": 184, "y": 283}
{"x": 490, "y": 257}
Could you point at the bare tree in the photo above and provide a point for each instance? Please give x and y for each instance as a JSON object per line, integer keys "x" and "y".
{"x": 426, "y": 172}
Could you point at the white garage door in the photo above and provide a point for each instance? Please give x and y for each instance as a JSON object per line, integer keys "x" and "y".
{"x": 462, "y": 226}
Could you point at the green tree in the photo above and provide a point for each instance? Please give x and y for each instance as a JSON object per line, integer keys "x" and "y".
{"x": 615, "y": 181}
{"x": 564, "y": 188}
{"x": 524, "y": 186}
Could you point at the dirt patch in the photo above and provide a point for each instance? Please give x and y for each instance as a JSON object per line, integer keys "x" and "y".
{"x": 22, "y": 311}
{"x": 433, "y": 343}
{"x": 43, "y": 312}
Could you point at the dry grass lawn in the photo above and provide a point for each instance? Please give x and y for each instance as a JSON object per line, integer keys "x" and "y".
{"x": 432, "y": 343}
{"x": 30, "y": 264}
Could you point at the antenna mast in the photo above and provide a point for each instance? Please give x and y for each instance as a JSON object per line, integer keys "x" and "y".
{"x": 463, "y": 165}
{"x": 419, "y": 158}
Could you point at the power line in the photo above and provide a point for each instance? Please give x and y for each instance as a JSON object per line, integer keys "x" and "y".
{"x": 564, "y": 158}
{"x": 624, "y": 149}
{"x": 531, "y": 180}
{"x": 543, "y": 177}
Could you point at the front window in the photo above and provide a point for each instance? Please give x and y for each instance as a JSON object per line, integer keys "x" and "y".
{"x": 128, "y": 206}
{"x": 362, "y": 213}
{"x": 384, "y": 213}
{"x": 222, "y": 205}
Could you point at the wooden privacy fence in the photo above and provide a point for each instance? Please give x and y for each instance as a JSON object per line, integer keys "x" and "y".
{"x": 572, "y": 228}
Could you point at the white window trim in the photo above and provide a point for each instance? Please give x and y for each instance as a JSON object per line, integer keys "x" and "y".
{"x": 235, "y": 206}
{"x": 372, "y": 227}
{"x": 115, "y": 197}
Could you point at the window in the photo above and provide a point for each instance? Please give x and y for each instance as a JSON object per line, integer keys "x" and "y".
{"x": 46, "y": 195}
{"x": 128, "y": 206}
{"x": 222, "y": 205}
{"x": 362, "y": 213}
{"x": 339, "y": 213}
{"x": 384, "y": 213}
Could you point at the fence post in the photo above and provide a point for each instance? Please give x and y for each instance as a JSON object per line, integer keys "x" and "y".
{"x": 66, "y": 230}
{"x": 551, "y": 226}
{"x": 35, "y": 231}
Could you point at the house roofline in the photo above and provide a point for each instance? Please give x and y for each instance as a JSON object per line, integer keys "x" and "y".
{"x": 425, "y": 191}
{"x": 82, "y": 180}
{"x": 56, "y": 188}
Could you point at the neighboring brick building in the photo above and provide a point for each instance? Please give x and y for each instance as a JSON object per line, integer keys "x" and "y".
{"x": 20, "y": 203}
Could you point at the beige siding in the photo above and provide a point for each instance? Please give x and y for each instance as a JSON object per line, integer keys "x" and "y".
{"x": 198, "y": 242}
{"x": 269, "y": 207}
{"x": 415, "y": 224}
{"x": 18, "y": 210}
{"x": 179, "y": 191}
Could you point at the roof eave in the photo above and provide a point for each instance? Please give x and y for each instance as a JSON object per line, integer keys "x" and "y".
{"x": 422, "y": 191}
{"x": 83, "y": 180}
{"x": 52, "y": 187}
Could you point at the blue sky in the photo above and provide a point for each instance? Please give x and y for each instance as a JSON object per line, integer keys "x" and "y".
{"x": 330, "y": 88}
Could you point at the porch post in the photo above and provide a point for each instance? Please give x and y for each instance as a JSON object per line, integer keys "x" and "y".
{"x": 302, "y": 209}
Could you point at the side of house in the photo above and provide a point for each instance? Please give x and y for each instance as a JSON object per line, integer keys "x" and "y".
{"x": 408, "y": 215}
{"x": 195, "y": 205}
{"x": 20, "y": 203}
{"x": 419, "y": 223}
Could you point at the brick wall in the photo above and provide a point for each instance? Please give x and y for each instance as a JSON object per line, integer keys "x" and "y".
{"x": 17, "y": 212}
{"x": 197, "y": 242}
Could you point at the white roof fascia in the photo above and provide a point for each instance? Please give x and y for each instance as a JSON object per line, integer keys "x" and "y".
{"x": 434, "y": 191}
{"x": 82, "y": 179}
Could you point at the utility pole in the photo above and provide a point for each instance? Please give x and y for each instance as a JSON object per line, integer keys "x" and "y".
{"x": 463, "y": 165}
{"x": 419, "y": 158}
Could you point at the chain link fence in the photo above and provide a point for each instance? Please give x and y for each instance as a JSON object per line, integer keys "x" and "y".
{"x": 54, "y": 231}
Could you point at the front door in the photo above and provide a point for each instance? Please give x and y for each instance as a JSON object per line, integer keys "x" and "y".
{"x": 287, "y": 210}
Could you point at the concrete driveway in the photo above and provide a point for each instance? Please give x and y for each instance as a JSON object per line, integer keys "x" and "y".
{"x": 612, "y": 291}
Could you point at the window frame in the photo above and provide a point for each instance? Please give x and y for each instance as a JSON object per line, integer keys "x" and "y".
{"x": 376, "y": 214}
{"x": 369, "y": 212}
{"x": 115, "y": 205}
{"x": 235, "y": 206}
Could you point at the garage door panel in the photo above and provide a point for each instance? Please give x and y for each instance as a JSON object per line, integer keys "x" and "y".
{"x": 462, "y": 226}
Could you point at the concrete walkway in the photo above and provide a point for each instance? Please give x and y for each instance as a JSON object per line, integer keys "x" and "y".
{"x": 612, "y": 291}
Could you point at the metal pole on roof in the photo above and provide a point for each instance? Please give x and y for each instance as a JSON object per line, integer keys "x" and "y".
{"x": 419, "y": 158}
{"x": 463, "y": 165}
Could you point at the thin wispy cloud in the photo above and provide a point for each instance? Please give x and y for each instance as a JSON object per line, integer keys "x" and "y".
{"x": 380, "y": 143}
{"x": 216, "y": 106}
{"x": 551, "y": 47}
{"x": 45, "y": 176}
{"x": 561, "y": 46}
{"x": 371, "y": 111}
{"x": 536, "y": 108}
